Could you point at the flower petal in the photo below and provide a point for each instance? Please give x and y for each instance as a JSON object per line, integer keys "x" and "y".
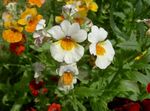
{"x": 71, "y": 67}
{"x": 80, "y": 36}
{"x": 74, "y": 55}
{"x": 56, "y": 32}
{"x": 40, "y": 25}
{"x": 74, "y": 28}
{"x": 97, "y": 35}
{"x": 65, "y": 25}
{"x": 102, "y": 62}
{"x": 109, "y": 50}
{"x": 36, "y": 35}
{"x": 92, "y": 49}
{"x": 57, "y": 52}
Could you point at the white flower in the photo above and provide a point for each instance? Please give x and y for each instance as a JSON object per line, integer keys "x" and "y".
{"x": 40, "y": 33}
{"x": 41, "y": 25}
{"x": 66, "y": 48}
{"x": 12, "y": 7}
{"x": 69, "y": 10}
{"x": 68, "y": 77}
{"x": 38, "y": 68}
{"x": 100, "y": 47}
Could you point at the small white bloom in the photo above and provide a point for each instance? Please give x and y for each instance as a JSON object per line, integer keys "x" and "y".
{"x": 41, "y": 25}
{"x": 100, "y": 47}
{"x": 68, "y": 77}
{"x": 69, "y": 10}
{"x": 66, "y": 48}
{"x": 40, "y": 33}
{"x": 12, "y": 7}
{"x": 38, "y": 68}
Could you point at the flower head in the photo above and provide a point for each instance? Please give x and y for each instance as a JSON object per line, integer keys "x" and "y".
{"x": 68, "y": 77}
{"x": 66, "y": 48}
{"x": 17, "y": 48}
{"x": 36, "y": 86}
{"x": 38, "y": 3}
{"x": 146, "y": 105}
{"x": 54, "y": 107}
{"x": 38, "y": 68}
{"x": 12, "y": 36}
{"x": 30, "y": 19}
{"x": 100, "y": 47}
{"x": 82, "y": 7}
{"x": 40, "y": 33}
{"x": 148, "y": 88}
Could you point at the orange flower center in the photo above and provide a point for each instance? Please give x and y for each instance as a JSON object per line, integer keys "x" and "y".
{"x": 100, "y": 49}
{"x": 67, "y": 44}
{"x": 67, "y": 78}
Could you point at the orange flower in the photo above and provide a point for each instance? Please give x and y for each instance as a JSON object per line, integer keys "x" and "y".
{"x": 30, "y": 27}
{"x": 12, "y": 36}
{"x": 30, "y": 19}
{"x": 39, "y": 3}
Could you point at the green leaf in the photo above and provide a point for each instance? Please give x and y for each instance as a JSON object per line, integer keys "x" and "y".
{"x": 128, "y": 85}
{"x": 87, "y": 92}
{"x": 129, "y": 45}
{"x": 16, "y": 107}
{"x": 120, "y": 15}
{"x": 137, "y": 76}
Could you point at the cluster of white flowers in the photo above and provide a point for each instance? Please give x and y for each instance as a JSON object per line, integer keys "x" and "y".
{"x": 66, "y": 47}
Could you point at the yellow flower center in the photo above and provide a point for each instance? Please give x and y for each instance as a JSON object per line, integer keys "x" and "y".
{"x": 67, "y": 44}
{"x": 100, "y": 49}
{"x": 67, "y": 78}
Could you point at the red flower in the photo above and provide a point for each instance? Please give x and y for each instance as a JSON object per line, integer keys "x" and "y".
{"x": 44, "y": 90}
{"x": 122, "y": 104}
{"x": 35, "y": 87}
{"x": 17, "y": 48}
{"x": 146, "y": 105}
{"x": 148, "y": 88}
{"x": 54, "y": 107}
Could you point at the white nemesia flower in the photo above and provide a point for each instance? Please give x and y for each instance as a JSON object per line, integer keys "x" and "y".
{"x": 40, "y": 33}
{"x": 66, "y": 48}
{"x": 100, "y": 47}
{"x": 69, "y": 10}
{"x": 38, "y": 68}
{"x": 12, "y": 7}
{"x": 68, "y": 77}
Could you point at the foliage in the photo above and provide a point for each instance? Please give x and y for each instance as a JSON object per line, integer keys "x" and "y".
{"x": 125, "y": 77}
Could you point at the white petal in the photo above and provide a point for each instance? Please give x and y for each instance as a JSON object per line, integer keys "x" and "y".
{"x": 92, "y": 48}
{"x": 74, "y": 28}
{"x": 74, "y": 80}
{"x": 41, "y": 25}
{"x": 102, "y": 34}
{"x": 74, "y": 55}
{"x": 109, "y": 48}
{"x": 102, "y": 62}
{"x": 36, "y": 35}
{"x": 80, "y": 36}
{"x": 94, "y": 29}
{"x": 57, "y": 52}
{"x": 44, "y": 32}
{"x": 56, "y": 32}
{"x": 71, "y": 67}
{"x": 97, "y": 35}
{"x": 65, "y": 25}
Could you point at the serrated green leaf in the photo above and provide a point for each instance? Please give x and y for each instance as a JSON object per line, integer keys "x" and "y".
{"x": 129, "y": 45}
{"x": 137, "y": 76}
{"x": 128, "y": 85}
